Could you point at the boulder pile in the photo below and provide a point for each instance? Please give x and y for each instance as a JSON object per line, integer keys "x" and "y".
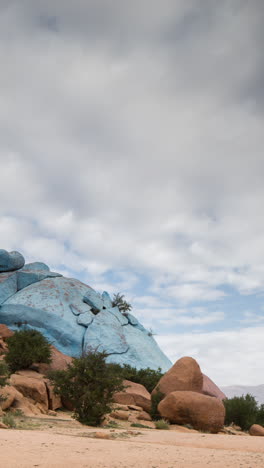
{"x": 71, "y": 315}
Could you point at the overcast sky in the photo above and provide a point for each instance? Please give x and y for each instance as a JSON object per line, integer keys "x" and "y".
{"x": 131, "y": 149}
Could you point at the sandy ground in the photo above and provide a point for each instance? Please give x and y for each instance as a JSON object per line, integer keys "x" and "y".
{"x": 67, "y": 444}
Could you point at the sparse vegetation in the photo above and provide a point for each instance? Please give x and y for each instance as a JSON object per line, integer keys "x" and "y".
{"x": 120, "y": 302}
{"x": 9, "y": 420}
{"x": 4, "y": 372}
{"x": 243, "y": 411}
{"x": 162, "y": 424}
{"x": 89, "y": 383}
{"x": 155, "y": 399}
{"x": 26, "y": 347}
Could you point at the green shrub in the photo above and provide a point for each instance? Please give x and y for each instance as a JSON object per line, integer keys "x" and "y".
{"x": 89, "y": 383}
{"x": 260, "y": 416}
{"x": 121, "y": 303}
{"x": 242, "y": 411}
{"x": 8, "y": 420}
{"x": 4, "y": 371}
{"x": 149, "y": 378}
{"x": 140, "y": 425}
{"x": 26, "y": 347}
{"x": 155, "y": 399}
{"x": 162, "y": 424}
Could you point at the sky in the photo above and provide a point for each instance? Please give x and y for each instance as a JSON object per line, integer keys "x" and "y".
{"x": 131, "y": 158}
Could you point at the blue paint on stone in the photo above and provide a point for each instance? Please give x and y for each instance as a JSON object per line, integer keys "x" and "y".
{"x": 107, "y": 300}
{"x": 11, "y": 261}
{"x": 74, "y": 317}
{"x": 8, "y": 286}
{"x": 39, "y": 266}
{"x": 105, "y": 334}
{"x": 85, "y": 319}
{"x": 94, "y": 300}
{"x": 27, "y": 277}
{"x": 120, "y": 317}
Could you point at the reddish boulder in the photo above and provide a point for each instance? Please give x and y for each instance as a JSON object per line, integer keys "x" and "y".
{"x": 5, "y": 332}
{"x": 31, "y": 385}
{"x": 203, "y": 412}
{"x": 10, "y": 394}
{"x": 185, "y": 374}
{"x": 134, "y": 394}
{"x": 59, "y": 361}
{"x": 211, "y": 389}
{"x": 256, "y": 430}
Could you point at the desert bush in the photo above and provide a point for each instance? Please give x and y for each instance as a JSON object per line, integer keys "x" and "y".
{"x": 4, "y": 371}
{"x": 26, "y": 347}
{"x": 242, "y": 411}
{"x": 260, "y": 416}
{"x": 155, "y": 399}
{"x": 146, "y": 377}
{"x": 162, "y": 424}
{"x": 140, "y": 425}
{"x": 8, "y": 420}
{"x": 89, "y": 383}
{"x": 120, "y": 302}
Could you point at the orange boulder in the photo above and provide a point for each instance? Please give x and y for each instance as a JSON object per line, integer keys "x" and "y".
{"x": 134, "y": 394}
{"x": 203, "y": 412}
{"x": 185, "y": 374}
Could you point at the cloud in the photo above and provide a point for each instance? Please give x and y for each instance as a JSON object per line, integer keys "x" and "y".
{"x": 131, "y": 140}
{"x": 227, "y": 357}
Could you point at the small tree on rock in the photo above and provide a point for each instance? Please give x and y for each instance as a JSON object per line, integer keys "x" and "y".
{"x": 121, "y": 303}
{"x": 26, "y": 347}
{"x": 89, "y": 383}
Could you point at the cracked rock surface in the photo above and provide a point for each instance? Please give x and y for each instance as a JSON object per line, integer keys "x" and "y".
{"x": 74, "y": 317}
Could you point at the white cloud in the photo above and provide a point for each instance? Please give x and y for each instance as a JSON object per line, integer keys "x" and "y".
{"x": 231, "y": 357}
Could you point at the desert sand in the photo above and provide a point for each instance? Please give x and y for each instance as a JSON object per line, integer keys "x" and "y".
{"x": 67, "y": 444}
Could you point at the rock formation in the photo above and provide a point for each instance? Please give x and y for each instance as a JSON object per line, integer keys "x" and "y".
{"x": 203, "y": 412}
{"x": 256, "y": 430}
{"x": 185, "y": 375}
{"x": 71, "y": 315}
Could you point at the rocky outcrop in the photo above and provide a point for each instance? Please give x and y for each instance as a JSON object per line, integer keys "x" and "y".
{"x": 211, "y": 389}
{"x": 73, "y": 316}
{"x": 185, "y": 375}
{"x": 31, "y": 385}
{"x": 256, "y": 430}
{"x": 203, "y": 412}
{"x": 134, "y": 394}
{"x": 10, "y": 261}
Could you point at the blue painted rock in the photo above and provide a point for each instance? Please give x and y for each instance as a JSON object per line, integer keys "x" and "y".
{"x": 10, "y": 261}
{"x": 75, "y": 318}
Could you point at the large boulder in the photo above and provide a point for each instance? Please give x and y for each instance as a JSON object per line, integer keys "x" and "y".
{"x": 203, "y": 412}
{"x": 9, "y": 395}
{"x": 134, "y": 394}
{"x": 75, "y": 318}
{"x": 185, "y": 374}
{"x": 256, "y": 430}
{"x": 31, "y": 385}
{"x": 10, "y": 261}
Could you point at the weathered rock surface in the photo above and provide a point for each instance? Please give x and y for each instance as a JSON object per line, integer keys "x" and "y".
{"x": 10, "y": 261}
{"x": 256, "y": 430}
{"x": 203, "y": 412}
{"x": 10, "y": 394}
{"x": 32, "y": 386}
{"x": 185, "y": 374}
{"x": 211, "y": 389}
{"x": 134, "y": 394}
{"x": 74, "y": 317}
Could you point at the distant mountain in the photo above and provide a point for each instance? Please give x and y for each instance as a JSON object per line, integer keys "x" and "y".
{"x": 238, "y": 390}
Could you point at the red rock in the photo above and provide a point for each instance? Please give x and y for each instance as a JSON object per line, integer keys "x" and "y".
{"x": 134, "y": 394}
{"x": 119, "y": 414}
{"x": 144, "y": 416}
{"x": 59, "y": 361}
{"x": 3, "y": 426}
{"x": 211, "y": 389}
{"x": 203, "y": 412}
{"x": 5, "y": 332}
{"x": 185, "y": 374}
{"x": 10, "y": 394}
{"x": 256, "y": 430}
{"x": 32, "y": 385}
